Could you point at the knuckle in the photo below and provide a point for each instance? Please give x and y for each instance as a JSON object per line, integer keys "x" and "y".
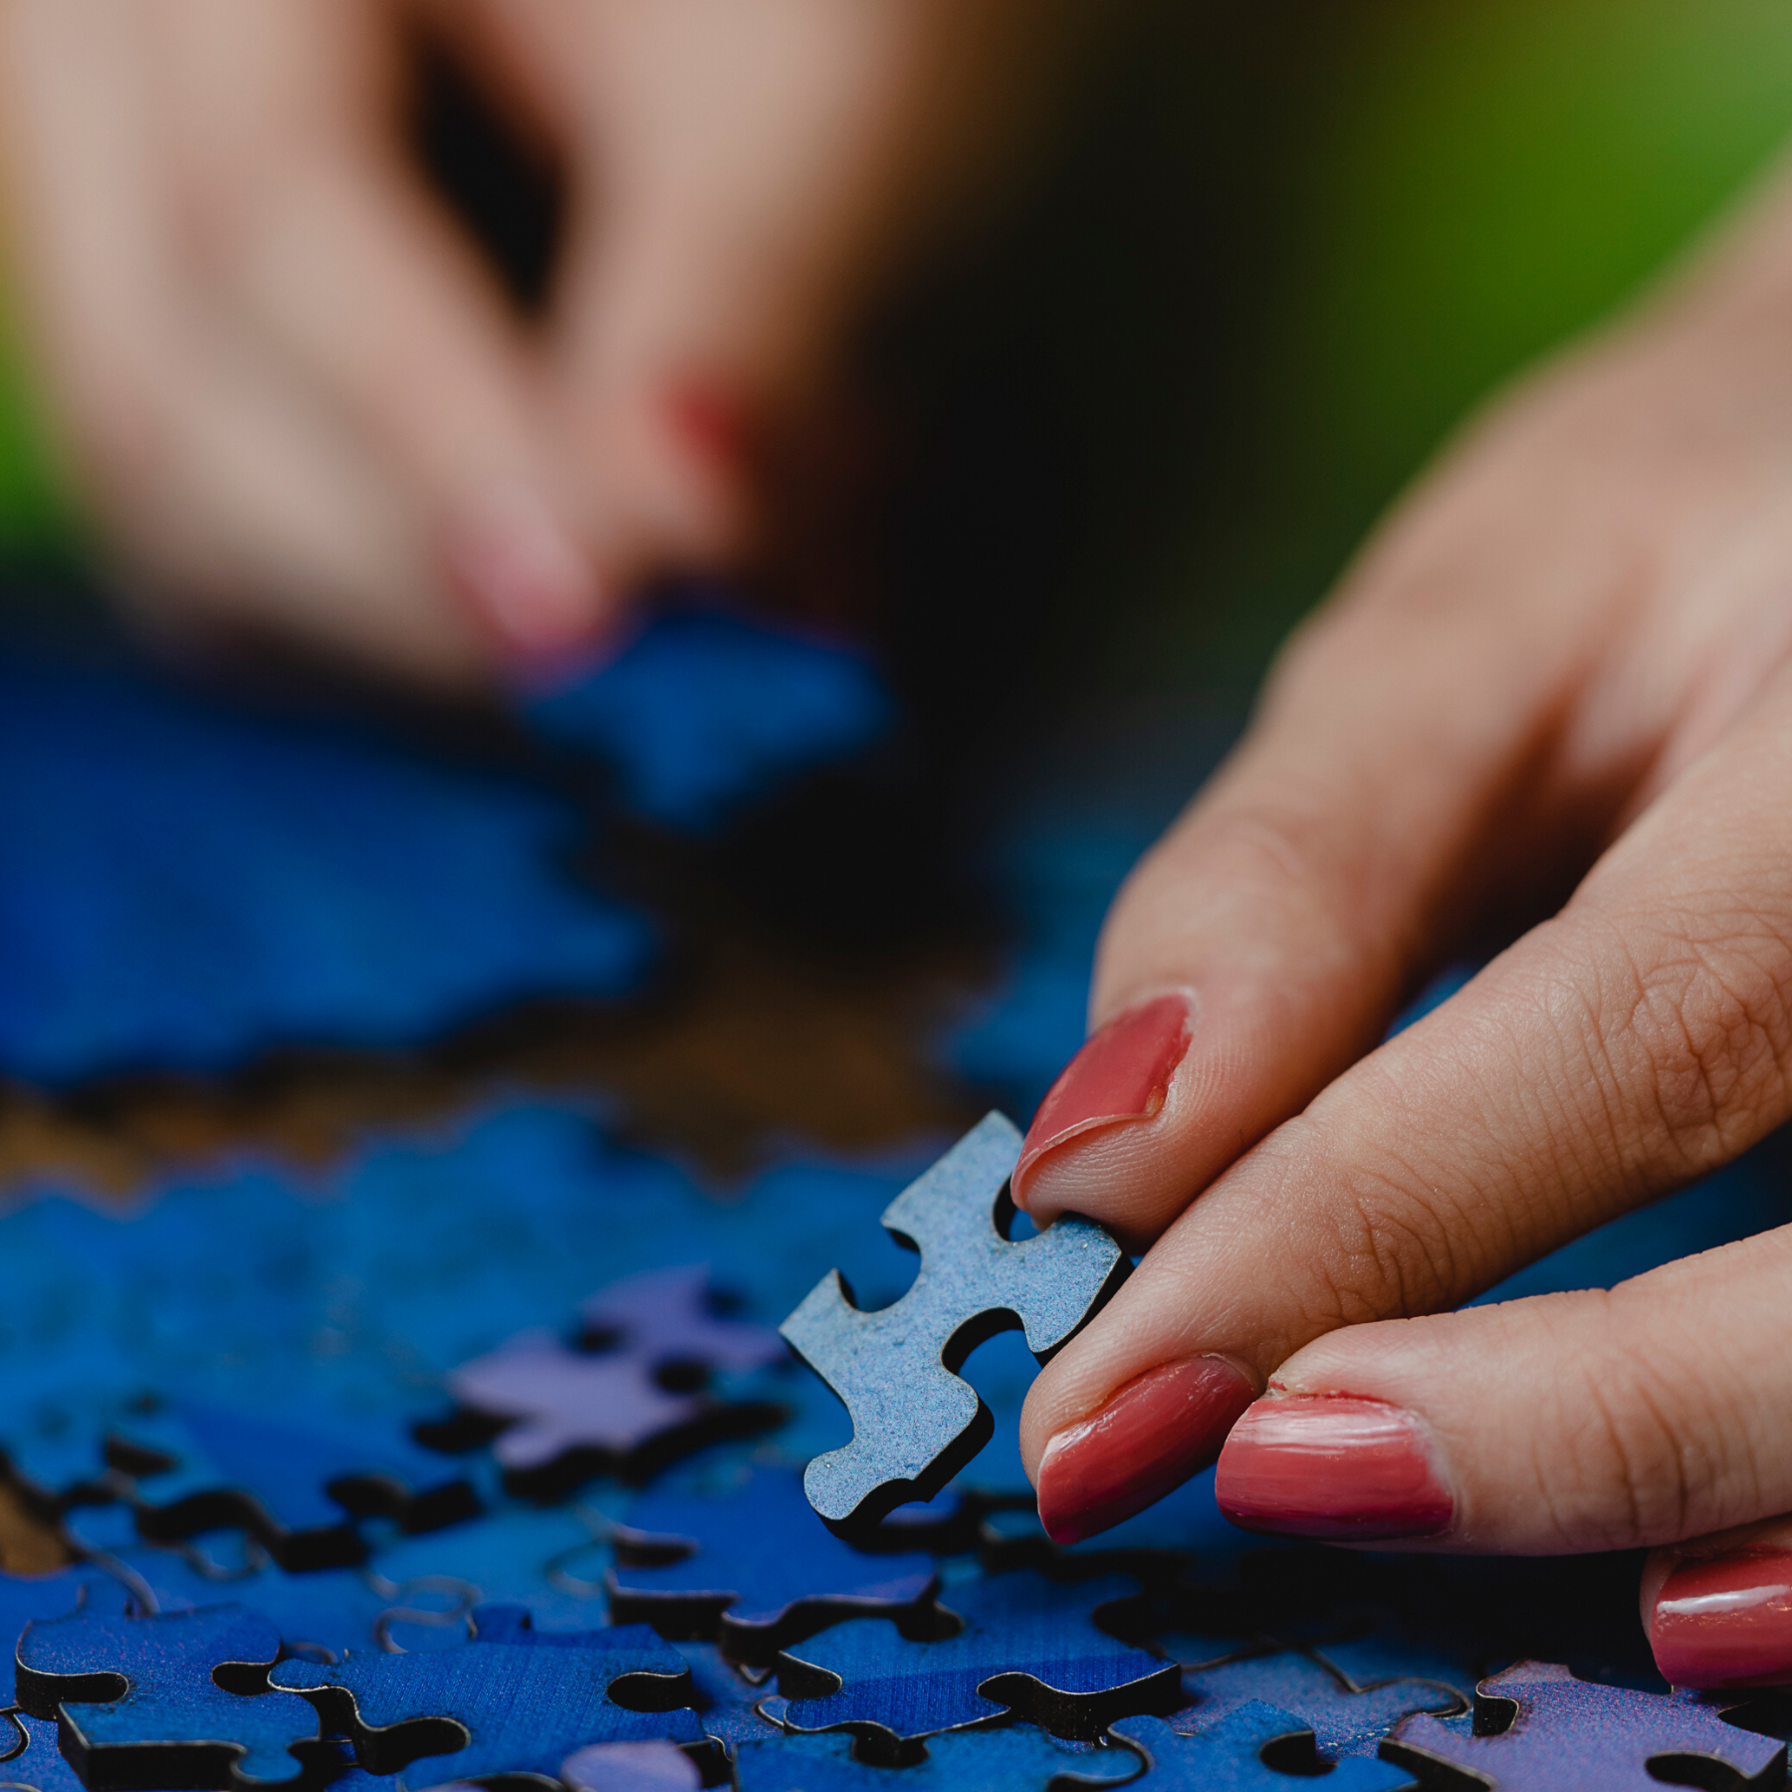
{"x": 1702, "y": 1010}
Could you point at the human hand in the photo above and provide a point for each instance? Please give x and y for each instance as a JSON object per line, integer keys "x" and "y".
{"x": 295, "y": 395}
{"x": 1564, "y": 669}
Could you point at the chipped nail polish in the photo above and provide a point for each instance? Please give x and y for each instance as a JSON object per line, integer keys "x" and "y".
{"x": 1121, "y": 1074}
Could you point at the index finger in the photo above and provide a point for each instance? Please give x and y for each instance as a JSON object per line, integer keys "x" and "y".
{"x": 1634, "y": 1042}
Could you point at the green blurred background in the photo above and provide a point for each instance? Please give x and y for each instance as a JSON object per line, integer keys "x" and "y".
{"x": 1280, "y": 251}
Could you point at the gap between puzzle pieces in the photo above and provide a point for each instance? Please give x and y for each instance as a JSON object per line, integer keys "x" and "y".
{"x": 1027, "y": 1647}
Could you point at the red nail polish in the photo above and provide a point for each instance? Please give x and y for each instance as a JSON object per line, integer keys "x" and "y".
{"x": 1725, "y": 1620}
{"x": 1159, "y": 1429}
{"x": 710, "y": 422}
{"x": 1333, "y": 1467}
{"x": 1122, "y": 1073}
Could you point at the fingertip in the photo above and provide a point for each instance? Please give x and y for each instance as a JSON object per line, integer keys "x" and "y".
{"x": 535, "y": 595}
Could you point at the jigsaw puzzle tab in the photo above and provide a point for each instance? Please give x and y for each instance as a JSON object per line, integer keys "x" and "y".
{"x": 514, "y": 1702}
{"x": 1254, "y": 1748}
{"x": 916, "y": 1423}
{"x": 1536, "y": 1726}
{"x": 757, "y": 1570}
{"x": 140, "y": 1700}
{"x": 1344, "y": 1720}
{"x": 630, "y": 1398}
{"x": 1028, "y": 1645}
{"x": 297, "y": 1489}
{"x": 1017, "y": 1758}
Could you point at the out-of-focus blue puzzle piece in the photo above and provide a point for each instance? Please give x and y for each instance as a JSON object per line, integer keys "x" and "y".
{"x": 139, "y": 1706}
{"x": 631, "y": 1767}
{"x": 1253, "y": 1748}
{"x": 515, "y": 1701}
{"x": 1537, "y": 1727}
{"x": 297, "y": 1488}
{"x": 187, "y": 881}
{"x": 1028, "y": 1645}
{"x": 704, "y": 711}
{"x": 915, "y": 1421}
{"x": 759, "y": 1571}
{"x": 1017, "y": 1758}
{"x": 1344, "y": 1721}
{"x": 634, "y": 1399}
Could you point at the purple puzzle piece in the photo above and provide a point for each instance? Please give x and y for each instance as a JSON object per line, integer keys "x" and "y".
{"x": 630, "y": 1399}
{"x": 1570, "y": 1735}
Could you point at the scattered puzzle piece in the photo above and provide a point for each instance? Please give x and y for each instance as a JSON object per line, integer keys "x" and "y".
{"x": 915, "y": 1422}
{"x": 727, "y": 1697}
{"x": 1028, "y": 1645}
{"x": 39, "y": 1766}
{"x": 515, "y": 1701}
{"x": 296, "y": 1489}
{"x": 1569, "y": 1735}
{"x": 1343, "y": 1719}
{"x": 759, "y": 1570}
{"x": 631, "y": 1400}
{"x": 139, "y": 1705}
{"x": 631, "y": 1767}
{"x": 1254, "y": 1748}
{"x": 1016, "y": 1758}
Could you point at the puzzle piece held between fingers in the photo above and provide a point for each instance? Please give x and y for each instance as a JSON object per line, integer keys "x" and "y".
{"x": 140, "y": 1705}
{"x": 1254, "y": 1748}
{"x": 514, "y": 1702}
{"x": 1028, "y": 1645}
{"x": 758, "y": 1571}
{"x": 1539, "y": 1727}
{"x": 916, "y": 1423}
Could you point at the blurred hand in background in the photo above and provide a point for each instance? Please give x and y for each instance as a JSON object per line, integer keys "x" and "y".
{"x": 299, "y": 399}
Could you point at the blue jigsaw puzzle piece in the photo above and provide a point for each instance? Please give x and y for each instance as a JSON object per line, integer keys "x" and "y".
{"x": 1538, "y": 1727}
{"x": 727, "y": 1701}
{"x": 238, "y": 880}
{"x": 1017, "y": 1758}
{"x": 758, "y": 1571}
{"x": 1253, "y": 1748}
{"x": 1028, "y": 1645}
{"x": 38, "y": 1766}
{"x": 916, "y": 1423}
{"x": 139, "y": 1706}
{"x": 31, "y": 1598}
{"x": 297, "y": 1488}
{"x": 704, "y": 711}
{"x": 1344, "y": 1720}
{"x": 514, "y": 1701}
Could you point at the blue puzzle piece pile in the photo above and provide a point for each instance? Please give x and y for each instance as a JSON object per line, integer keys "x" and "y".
{"x": 455, "y": 1463}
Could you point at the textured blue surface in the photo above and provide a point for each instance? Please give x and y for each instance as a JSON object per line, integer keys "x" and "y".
{"x": 526, "y": 1699}
{"x": 758, "y": 1570}
{"x": 1569, "y": 1736}
{"x": 1028, "y": 1645}
{"x": 1016, "y": 1759}
{"x": 169, "y": 1697}
{"x": 1229, "y": 1757}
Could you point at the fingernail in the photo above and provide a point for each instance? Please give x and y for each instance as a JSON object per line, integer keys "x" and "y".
{"x": 1159, "y": 1429}
{"x": 522, "y": 576}
{"x": 1122, "y": 1074}
{"x": 1725, "y": 1620}
{"x": 709, "y": 421}
{"x": 1333, "y": 1467}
